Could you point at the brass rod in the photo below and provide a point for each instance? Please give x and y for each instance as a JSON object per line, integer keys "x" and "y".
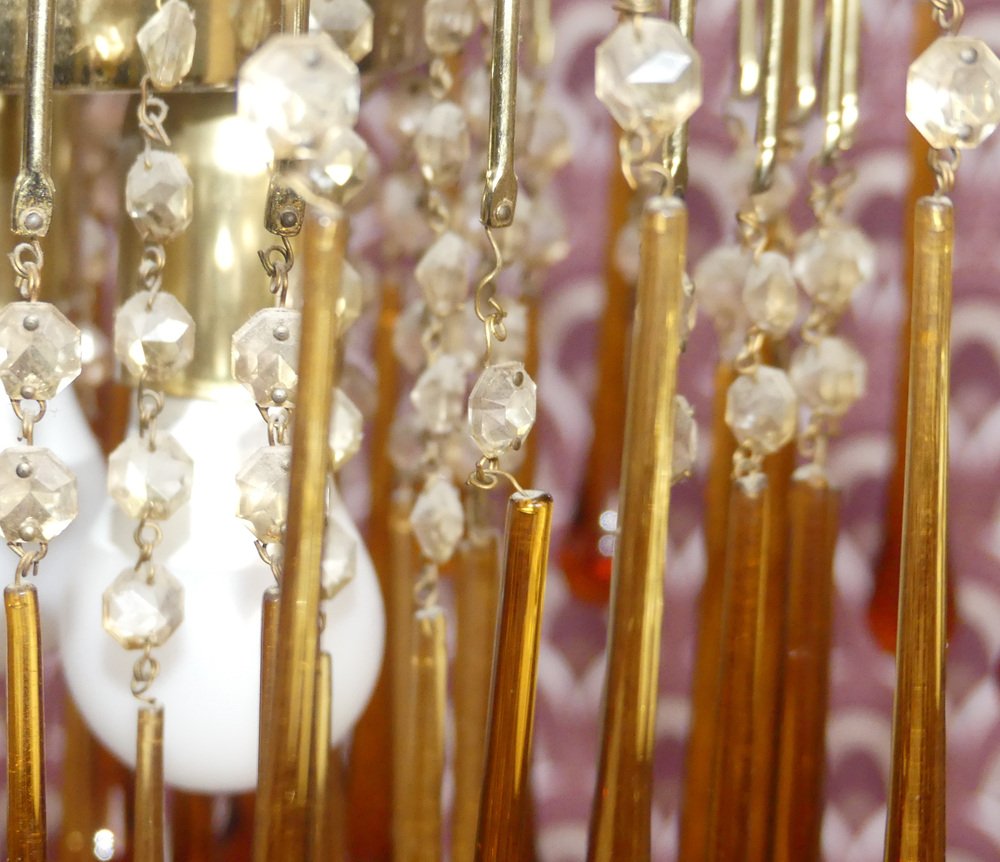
{"x": 705, "y": 686}
{"x": 265, "y": 781}
{"x": 915, "y": 827}
{"x": 620, "y": 819}
{"x": 507, "y": 772}
{"x": 25, "y": 727}
{"x": 802, "y": 754}
{"x": 748, "y": 78}
{"x": 298, "y": 611}
{"x": 318, "y": 794}
{"x": 682, "y": 14}
{"x": 733, "y": 750}
{"x": 147, "y": 831}
{"x": 832, "y": 103}
{"x": 500, "y": 193}
{"x": 805, "y": 76}
{"x": 850, "y": 99}
{"x": 541, "y": 39}
{"x": 294, "y": 16}
{"x": 769, "y": 115}
{"x": 476, "y": 599}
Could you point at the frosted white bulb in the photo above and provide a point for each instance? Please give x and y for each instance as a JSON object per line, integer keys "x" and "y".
{"x": 209, "y": 678}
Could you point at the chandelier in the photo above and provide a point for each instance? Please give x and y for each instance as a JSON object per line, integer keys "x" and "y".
{"x": 290, "y": 282}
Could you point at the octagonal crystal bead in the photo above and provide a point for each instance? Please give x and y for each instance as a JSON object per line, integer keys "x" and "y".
{"x": 143, "y": 608}
{"x": 442, "y": 144}
{"x": 829, "y": 375}
{"x": 340, "y": 558}
{"x": 760, "y": 409}
{"x": 438, "y": 519}
{"x": 770, "y": 295}
{"x": 266, "y": 356}
{"x": 685, "y": 448}
{"x": 38, "y": 498}
{"x": 406, "y": 443}
{"x": 502, "y": 408}
{"x": 439, "y": 394}
{"x": 832, "y": 262}
{"x": 154, "y": 335}
{"x": 648, "y": 76}
{"x": 159, "y": 195}
{"x": 720, "y": 276}
{"x": 263, "y": 486}
{"x": 349, "y": 22}
{"x": 150, "y": 483}
{"x": 346, "y": 425}
{"x": 40, "y": 351}
{"x": 338, "y": 171}
{"x": 295, "y": 88}
{"x": 447, "y": 24}
{"x": 444, "y": 273}
{"x": 166, "y": 41}
{"x": 953, "y": 92}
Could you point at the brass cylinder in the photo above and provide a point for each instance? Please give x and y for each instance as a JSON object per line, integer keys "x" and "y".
{"x": 620, "y": 820}
{"x": 265, "y": 781}
{"x": 147, "y": 831}
{"x": 318, "y": 799}
{"x": 506, "y": 778}
{"x": 915, "y": 827}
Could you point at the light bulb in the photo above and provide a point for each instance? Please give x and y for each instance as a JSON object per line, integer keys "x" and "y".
{"x": 209, "y": 679}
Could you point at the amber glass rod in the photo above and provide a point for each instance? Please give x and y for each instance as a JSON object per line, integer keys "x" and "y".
{"x": 147, "y": 832}
{"x": 915, "y": 827}
{"x": 268, "y": 649}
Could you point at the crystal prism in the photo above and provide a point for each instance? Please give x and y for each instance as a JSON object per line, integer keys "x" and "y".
{"x": 40, "y": 351}
{"x": 338, "y": 171}
{"x": 340, "y": 558}
{"x": 438, "y": 519}
{"x": 150, "y": 483}
{"x": 166, "y": 41}
{"x": 760, "y": 409}
{"x": 143, "y": 608}
{"x": 346, "y": 425}
{"x": 159, "y": 195}
{"x": 502, "y": 408}
{"x": 266, "y": 356}
{"x": 153, "y": 341}
{"x": 263, "y": 485}
{"x": 38, "y": 498}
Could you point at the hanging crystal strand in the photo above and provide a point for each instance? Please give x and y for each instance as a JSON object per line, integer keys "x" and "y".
{"x": 38, "y": 498}
{"x": 938, "y": 103}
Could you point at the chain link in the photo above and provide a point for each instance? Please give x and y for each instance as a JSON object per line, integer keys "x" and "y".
{"x": 28, "y": 420}
{"x": 948, "y": 15}
{"x": 27, "y": 260}
{"x": 151, "y": 114}
{"x": 144, "y": 672}
{"x": 28, "y": 560}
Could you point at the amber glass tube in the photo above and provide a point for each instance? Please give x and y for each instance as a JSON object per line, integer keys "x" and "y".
{"x": 25, "y": 727}
{"x": 82, "y": 811}
{"x": 147, "y": 832}
{"x": 705, "y": 683}
{"x": 420, "y": 809}
{"x": 798, "y": 814}
{"x": 915, "y": 827}
{"x": 318, "y": 800}
{"x": 620, "y": 820}
{"x": 268, "y": 651}
{"x": 192, "y": 832}
{"x": 511, "y": 721}
{"x": 476, "y": 597}
{"x": 746, "y": 569}
{"x": 336, "y": 806}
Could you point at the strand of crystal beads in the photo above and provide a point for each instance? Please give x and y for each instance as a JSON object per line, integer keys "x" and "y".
{"x": 284, "y": 91}
{"x": 149, "y": 474}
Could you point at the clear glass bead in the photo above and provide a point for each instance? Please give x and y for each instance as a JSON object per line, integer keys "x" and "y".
{"x": 166, "y": 41}
{"x": 953, "y": 92}
{"x": 442, "y": 145}
{"x": 143, "y": 607}
{"x": 407, "y": 337}
{"x": 459, "y": 454}
{"x": 438, "y": 519}
{"x": 38, "y": 498}
{"x": 406, "y": 229}
{"x": 154, "y": 335}
{"x": 648, "y": 76}
{"x": 266, "y": 356}
{"x": 408, "y": 104}
{"x": 448, "y": 24}
{"x": 150, "y": 483}
{"x": 346, "y": 429}
{"x": 502, "y": 408}
{"x": 760, "y": 409}
{"x": 770, "y": 295}
{"x": 349, "y": 22}
{"x": 338, "y": 171}
{"x": 340, "y": 558}
{"x": 832, "y": 262}
{"x": 351, "y": 301}
{"x": 295, "y": 88}
{"x": 829, "y": 375}
{"x": 462, "y": 337}
{"x": 406, "y": 443}
{"x": 444, "y": 273}
{"x": 439, "y": 394}
{"x": 720, "y": 276}
{"x": 40, "y": 351}
{"x": 685, "y": 449}
{"x": 159, "y": 195}
{"x": 263, "y": 486}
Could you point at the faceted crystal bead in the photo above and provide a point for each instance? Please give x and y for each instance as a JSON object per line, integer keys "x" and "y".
{"x": 462, "y": 337}
{"x": 502, "y": 408}
{"x": 442, "y": 145}
{"x": 156, "y": 342}
{"x": 720, "y": 276}
{"x": 40, "y": 352}
{"x": 349, "y": 22}
{"x": 459, "y": 454}
{"x": 159, "y": 195}
{"x": 37, "y": 494}
{"x": 406, "y": 229}
{"x": 352, "y": 298}
{"x": 144, "y": 607}
{"x": 953, "y": 92}
{"x": 769, "y": 294}
{"x": 408, "y": 104}
{"x": 407, "y": 337}
{"x": 266, "y": 356}
{"x": 346, "y": 425}
{"x": 444, "y": 273}
{"x": 685, "y": 450}
{"x": 338, "y": 171}
{"x": 648, "y": 76}
{"x": 438, "y": 519}
{"x": 340, "y": 558}
{"x": 828, "y": 375}
{"x": 832, "y": 262}
{"x": 150, "y": 483}
{"x": 296, "y": 88}
{"x": 439, "y": 394}
{"x": 447, "y": 24}
{"x": 263, "y": 485}
{"x": 406, "y": 443}
{"x": 760, "y": 409}
{"x": 167, "y": 44}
